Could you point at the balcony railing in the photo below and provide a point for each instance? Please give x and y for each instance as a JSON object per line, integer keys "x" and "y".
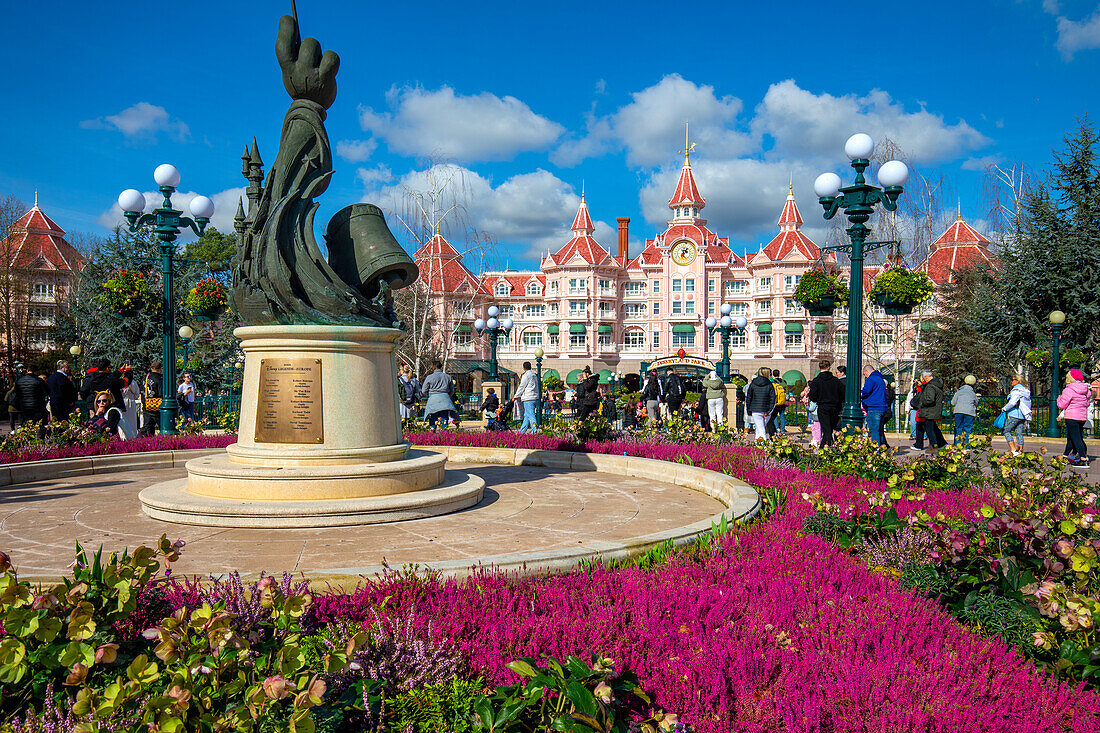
{"x": 578, "y": 291}
{"x": 605, "y": 314}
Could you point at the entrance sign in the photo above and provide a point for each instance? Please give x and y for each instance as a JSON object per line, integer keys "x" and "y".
{"x": 680, "y": 361}
{"x": 289, "y": 406}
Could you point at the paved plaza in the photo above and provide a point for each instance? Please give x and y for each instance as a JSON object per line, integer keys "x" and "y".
{"x": 524, "y": 509}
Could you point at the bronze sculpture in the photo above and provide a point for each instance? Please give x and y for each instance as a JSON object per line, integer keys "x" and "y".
{"x": 279, "y": 274}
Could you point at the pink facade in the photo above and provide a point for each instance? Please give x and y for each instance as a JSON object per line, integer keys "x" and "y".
{"x": 587, "y": 306}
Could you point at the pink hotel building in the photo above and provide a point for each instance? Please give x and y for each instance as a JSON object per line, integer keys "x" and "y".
{"x": 585, "y": 306}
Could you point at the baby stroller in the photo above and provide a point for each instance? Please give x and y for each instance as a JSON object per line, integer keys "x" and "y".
{"x": 499, "y": 422}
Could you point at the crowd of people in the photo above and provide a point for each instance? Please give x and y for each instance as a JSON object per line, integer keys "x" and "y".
{"x": 119, "y": 403}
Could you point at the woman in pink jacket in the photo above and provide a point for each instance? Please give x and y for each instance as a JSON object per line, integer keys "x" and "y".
{"x": 1074, "y": 403}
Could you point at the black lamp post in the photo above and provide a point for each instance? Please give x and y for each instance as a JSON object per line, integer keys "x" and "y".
{"x": 538, "y": 374}
{"x": 1057, "y": 323}
{"x": 725, "y": 326}
{"x": 858, "y": 202}
{"x": 494, "y": 328}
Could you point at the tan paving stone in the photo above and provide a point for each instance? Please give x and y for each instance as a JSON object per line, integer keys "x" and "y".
{"x": 525, "y": 508}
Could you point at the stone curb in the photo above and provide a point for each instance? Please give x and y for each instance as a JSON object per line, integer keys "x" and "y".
{"x": 742, "y": 500}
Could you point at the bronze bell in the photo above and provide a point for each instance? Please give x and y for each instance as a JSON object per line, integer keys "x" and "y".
{"x": 364, "y": 253}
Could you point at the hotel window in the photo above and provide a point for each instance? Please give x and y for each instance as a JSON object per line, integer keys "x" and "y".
{"x": 764, "y": 285}
{"x": 464, "y": 340}
{"x": 739, "y": 309}
{"x": 710, "y": 340}
{"x": 791, "y": 306}
{"x": 536, "y": 311}
{"x": 884, "y": 338}
{"x": 676, "y": 307}
{"x": 764, "y": 340}
{"x": 656, "y": 307}
{"x": 503, "y": 288}
{"x": 634, "y": 310}
{"x": 506, "y": 311}
{"x": 689, "y": 307}
{"x": 683, "y": 340}
{"x": 43, "y": 290}
{"x": 578, "y": 340}
{"x": 554, "y": 309}
{"x": 676, "y": 285}
{"x": 711, "y": 308}
{"x": 578, "y": 286}
{"x": 503, "y": 340}
{"x": 603, "y": 341}
{"x": 656, "y": 340}
{"x": 764, "y": 307}
{"x": 533, "y": 288}
{"x": 689, "y": 285}
{"x": 737, "y": 287}
{"x": 790, "y": 282}
{"x": 634, "y": 340}
{"x": 552, "y": 340}
{"x": 656, "y": 286}
{"x": 605, "y": 286}
{"x": 712, "y": 286}
{"x": 532, "y": 338}
{"x": 604, "y": 310}
{"x": 792, "y": 342}
{"x": 554, "y": 287}
{"x": 632, "y": 288}
{"x": 577, "y": 308}
{"x": 738, "y": 341}
{"x": 842, "y": 339}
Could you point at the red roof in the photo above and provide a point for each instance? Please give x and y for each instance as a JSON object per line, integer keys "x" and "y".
{"x": 958, "y": 247}
{"x": 582, "y": 244}
{"x": 441, "y": 267}
{"x": 583, "y": 222}
{"x": 790, "y": 238}
{"x": 686, "y": 191}
{"x": 35, "y": 238}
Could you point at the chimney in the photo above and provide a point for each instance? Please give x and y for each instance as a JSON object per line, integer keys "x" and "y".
{"x": 624, "y": 237}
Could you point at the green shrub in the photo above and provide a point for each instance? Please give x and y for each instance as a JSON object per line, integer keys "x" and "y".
{"x": 824, "y": 525}
{"x": 446, "y": 706}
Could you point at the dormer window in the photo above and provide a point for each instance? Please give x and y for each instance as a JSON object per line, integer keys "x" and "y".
{"x": 533, "y": 288}
{"x": 502, "y": 288}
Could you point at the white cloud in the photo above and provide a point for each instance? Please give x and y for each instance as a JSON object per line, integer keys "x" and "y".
{"x": 141, "y": 121}
{"x": 980, "y": 164}
{"x": 807, "y": 125}
{"x": 356, "y": 151}
{"x": 225, "y": 208}
{"x": 371, "y": 176}
{"x": 651, "y": 126}
{"x": 463, "y": 128}
{"x": 527, "y": 214}
{"x": 1051, "y": 6}
{"x": 1079, "y": 35}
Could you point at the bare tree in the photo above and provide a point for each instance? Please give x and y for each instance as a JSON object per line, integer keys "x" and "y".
{"x": 1004, "y": 190}
{"x": 15, "y": 285}
{"x": 439, "y": 206}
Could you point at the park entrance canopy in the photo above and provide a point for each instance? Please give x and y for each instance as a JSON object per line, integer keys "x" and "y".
{"x": 693, "y": 369}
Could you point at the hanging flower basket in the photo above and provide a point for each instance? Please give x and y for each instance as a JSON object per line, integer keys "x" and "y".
{"x": 207, "y": 300}
{"x": 820, "y": 293}
{"x": 127, "y": 292}
{"x": 898, "y": 290}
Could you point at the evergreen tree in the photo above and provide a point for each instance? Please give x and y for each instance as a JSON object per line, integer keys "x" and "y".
{"x": 1051, "y": 262}
{"x": 955, "y": 347}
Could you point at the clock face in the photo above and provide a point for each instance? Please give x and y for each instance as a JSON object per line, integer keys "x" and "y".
{"x": 684, "y": 252}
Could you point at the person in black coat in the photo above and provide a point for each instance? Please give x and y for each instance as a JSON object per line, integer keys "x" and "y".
{"x": 675, "y": 391}
{"x": 30, "y": 397}
{"x": 62, "y": 392}
{"x": 101, "y": 378}
{"x": 760, "y": 400}
{"x": 152, "y": 392}
{"x": 588, "y": 394}
{"x": 828, "y": 392}
{"x": 652, "y": 393}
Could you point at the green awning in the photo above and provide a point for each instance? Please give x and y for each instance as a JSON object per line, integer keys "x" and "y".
{"x": 683, "y": 328}
{"x": 547, "y": 373}
{"x": 603, "y": 328}
{"x": 764, "y": 328}
{"x": 820, "y": 327}
{"x": 576, "y": 328}
{"x": 573, "y": 377}
{"x": 465, "y": 366}
{"x": 605, "y": 376}
{"x": 552, "y": 329}
{"x": 793, "y": 328}
{"x": 465, "y": 328}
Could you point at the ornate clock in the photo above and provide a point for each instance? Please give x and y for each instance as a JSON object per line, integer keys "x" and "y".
{"x": 684, "y": 252}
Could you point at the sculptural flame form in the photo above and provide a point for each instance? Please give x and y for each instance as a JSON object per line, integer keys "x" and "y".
{"x": 279, "y": 274}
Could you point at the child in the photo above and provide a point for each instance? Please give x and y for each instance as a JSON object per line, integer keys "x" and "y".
{"x": 811, "y": 417}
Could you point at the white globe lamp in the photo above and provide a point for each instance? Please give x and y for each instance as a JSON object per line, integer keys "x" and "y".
{"x": 479, "y": 324}
{"x": 492, "y": 322}
{"x": 186, "y": 332}
{"x": 726, "y": 309}
{"x": 742, "y": 322}
{"x": 166, "y": 174}
{"x": 507, "y": 324}
{"x": 493, "y": 311}
{"x": 202, "y": 207}
{"x": 711, "y": 322}
{"x": 827, "y": 185}
{"x": 131, "y": 200}
{"x": 726, "y": 321}
{"x": 859, "y": 146}
{"x": 893, "y": 173}
{"x": 539, "y": 352}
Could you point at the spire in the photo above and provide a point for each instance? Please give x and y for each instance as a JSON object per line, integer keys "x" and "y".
{"x": 959, "y": 217}
{"x": 790, "y": 219}
{"x": 238, "y": 219}
{"x": 254, "y": 156}
{"x": 582, "y": 223}
{"x": 244, "y": 162}
{"x": 689, "y": 147}
{"x": 790, "y": 186}
{"x": 36, "y": 198}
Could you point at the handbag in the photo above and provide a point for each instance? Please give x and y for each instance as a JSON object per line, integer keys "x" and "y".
{"x": 999, "y": 422}
{"x": 152, "y": 404}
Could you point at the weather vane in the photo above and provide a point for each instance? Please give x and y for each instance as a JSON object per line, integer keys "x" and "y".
{"x": 689, "y": 147}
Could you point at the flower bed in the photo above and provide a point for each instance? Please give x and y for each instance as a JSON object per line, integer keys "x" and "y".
{"x": 136, "y": 445}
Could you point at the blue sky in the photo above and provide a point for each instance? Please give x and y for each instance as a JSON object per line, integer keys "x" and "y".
{"x": 531, "y": 99}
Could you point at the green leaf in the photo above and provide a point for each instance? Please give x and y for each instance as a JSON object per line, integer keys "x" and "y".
{"x": 1067, "y": 526}
{"x": 522, "y": 667}
{"x": 988, "y": 511}
{"x": 581, "y": 697}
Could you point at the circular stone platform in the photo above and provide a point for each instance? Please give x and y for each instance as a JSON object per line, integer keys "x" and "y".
{"x": 533, "y": 516}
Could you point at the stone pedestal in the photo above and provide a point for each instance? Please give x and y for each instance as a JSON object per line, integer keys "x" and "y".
{"x": 319, "y": 442}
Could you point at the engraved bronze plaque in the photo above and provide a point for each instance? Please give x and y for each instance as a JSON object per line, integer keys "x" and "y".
{"x": 289, "y": 406}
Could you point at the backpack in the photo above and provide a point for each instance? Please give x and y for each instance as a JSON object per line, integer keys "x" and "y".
{"x": 676, "y": 387}
{"x": 411, "y": 391}
{"x": 780, "y": 393}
